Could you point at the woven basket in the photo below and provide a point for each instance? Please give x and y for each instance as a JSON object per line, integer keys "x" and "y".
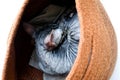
{"x": 97, "y": 47}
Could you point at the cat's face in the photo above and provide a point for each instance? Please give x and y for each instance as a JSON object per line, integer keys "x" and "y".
{"x": 51, "y": 41}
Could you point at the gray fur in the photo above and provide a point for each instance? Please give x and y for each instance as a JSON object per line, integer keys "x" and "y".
{"x": 57, "y": 63}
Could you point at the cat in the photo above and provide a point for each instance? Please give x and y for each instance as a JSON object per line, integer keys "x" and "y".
{"x": 55, "y": 49}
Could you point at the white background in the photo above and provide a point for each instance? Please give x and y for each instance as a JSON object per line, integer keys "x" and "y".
{"x": 9, "y": 9}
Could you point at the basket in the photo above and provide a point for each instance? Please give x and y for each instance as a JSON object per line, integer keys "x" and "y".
{"x": 97, "y": 48}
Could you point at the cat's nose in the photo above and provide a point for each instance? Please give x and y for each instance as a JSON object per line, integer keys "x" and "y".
{"x": 49, "y": 45}
{"x": 53, "y": 39}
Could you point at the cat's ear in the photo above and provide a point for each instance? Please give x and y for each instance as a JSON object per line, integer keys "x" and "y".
{"x": 28, "y": 28}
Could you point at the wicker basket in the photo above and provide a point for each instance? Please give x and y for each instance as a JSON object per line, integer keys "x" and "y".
{"x": 97, "y": 47}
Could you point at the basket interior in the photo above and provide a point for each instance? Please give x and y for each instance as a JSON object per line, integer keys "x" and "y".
{"x": 22, "y": 43}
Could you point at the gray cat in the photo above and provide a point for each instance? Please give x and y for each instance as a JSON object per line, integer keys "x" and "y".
{"x": 55, "y": 49}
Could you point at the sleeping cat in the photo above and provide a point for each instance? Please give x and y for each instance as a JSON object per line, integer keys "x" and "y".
{"x": 55, "y": 49}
